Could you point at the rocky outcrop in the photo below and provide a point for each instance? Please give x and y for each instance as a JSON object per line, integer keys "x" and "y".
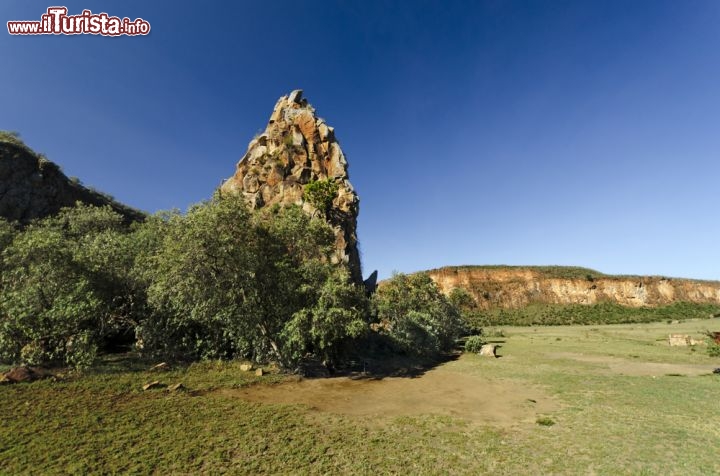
{"x": 33, "y": 187}
{"x": 24, "y": 374}
{"x": 515, "y": 287}
{"x": 298, "y": 148}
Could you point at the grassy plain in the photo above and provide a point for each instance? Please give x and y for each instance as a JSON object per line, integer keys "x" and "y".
{"x": 604, "y": 399}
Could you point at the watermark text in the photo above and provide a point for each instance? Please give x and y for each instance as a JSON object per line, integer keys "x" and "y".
{"x": 57, "y": 22}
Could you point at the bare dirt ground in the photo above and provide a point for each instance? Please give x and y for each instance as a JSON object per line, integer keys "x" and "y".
{"x": 440, "y": 391}
{"x": 619, "y": 366}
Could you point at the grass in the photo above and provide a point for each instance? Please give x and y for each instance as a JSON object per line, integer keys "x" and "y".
{"x": 607, "y": 421}
{"x": 545, "y": 421}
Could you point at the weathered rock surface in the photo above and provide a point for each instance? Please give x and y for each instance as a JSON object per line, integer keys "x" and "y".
{"x": 33, "y": 187}
{"x": 516, "y": 287}
{"x": 296, "y": 148}
{"x": 153, "y": 385}
{"x": 678, "y": 340}
{"x": 488, "y": 350}
{"x": 24, "y": 374}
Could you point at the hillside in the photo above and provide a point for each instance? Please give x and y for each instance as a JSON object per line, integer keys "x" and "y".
{"x": 33, "y": 187}
{"x": 514, "y": 287}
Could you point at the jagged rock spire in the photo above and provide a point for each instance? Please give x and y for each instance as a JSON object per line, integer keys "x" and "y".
{"x": 296, "y": 148}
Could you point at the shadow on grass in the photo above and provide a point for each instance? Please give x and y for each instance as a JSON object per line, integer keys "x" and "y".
{"x": 371, "y": 368}
{"x": 378, "y": 368}
{"x": 134, "y": 362}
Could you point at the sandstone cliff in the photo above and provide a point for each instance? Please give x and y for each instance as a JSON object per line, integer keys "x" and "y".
{"x": 515, "y": 287}
{"x": 33, "y": 187}
{"x": 298, "y": 148}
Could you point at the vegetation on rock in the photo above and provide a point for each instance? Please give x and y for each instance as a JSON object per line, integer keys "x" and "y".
{"x": 320, "y": 194}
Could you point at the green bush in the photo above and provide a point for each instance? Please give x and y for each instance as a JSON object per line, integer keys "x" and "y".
{"x": 466, "y": 305}
{"x": 64, "y": 287}
{"x": 474, "y": 344}
{"x": 582, "y": 314}
{"x": 419, "y": 320}
{"x": 229, "y": 283}
{"x": 321, "y": 193}
{"x": 713, "y": 349}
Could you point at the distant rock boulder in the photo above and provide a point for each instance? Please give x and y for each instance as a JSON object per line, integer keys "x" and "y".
{"x": 488, "y": 350}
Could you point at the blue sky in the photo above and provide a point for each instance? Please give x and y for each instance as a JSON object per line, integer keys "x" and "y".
{"x": 480, "y": 132}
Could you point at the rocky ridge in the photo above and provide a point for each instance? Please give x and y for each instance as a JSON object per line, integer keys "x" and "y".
{"x": 297, "y": 148}
{"x": 511, "y": 287}
{"x": 33, "y": 187}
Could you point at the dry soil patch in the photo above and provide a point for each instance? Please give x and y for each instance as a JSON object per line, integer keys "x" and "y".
{"x": 440, "y": 391}
{"x": 620, "y": 366}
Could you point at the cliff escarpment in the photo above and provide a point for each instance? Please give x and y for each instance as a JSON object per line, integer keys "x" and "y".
{"x": 511, "y": 287}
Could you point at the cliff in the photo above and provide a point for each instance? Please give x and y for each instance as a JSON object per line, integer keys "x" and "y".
{"x": 33, "y": 187}
{"x": 298, "y": 148}
{"x": 510, "y": 287}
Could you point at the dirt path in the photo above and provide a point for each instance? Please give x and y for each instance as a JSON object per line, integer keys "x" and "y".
{"x": 441, "y": 391}
{"x": 617, "y": 365}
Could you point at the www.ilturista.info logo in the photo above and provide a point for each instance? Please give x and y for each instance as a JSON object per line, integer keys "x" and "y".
{"x": 57, "y": 22}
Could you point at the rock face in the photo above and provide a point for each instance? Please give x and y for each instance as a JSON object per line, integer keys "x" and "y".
{"x": 515, "y": 287}
{"x": 297, "y": 148}
{"x": 33, "y": 187}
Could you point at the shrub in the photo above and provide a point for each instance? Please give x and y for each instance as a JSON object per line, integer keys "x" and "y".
{"x": 474, "y": 344}
{"x": 219, "y": 282}
{"x": 228, "y": 283}
{"x": 320, "y": 194}
{"x": 13, "y": 137}
{"x": 713, "y": 349}
{"x": 585, "y": 314}
{"x": 466, "y": 305}
{"x": 47, "y": 300}
{"x": 545, "y": 421}
{"x": 65, "y": 287}
{"x": 417, "y": 317}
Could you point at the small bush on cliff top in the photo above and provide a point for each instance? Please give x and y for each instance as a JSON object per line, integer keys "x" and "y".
{"x": 11, "y": 137}
{"x": 321, "y": 193}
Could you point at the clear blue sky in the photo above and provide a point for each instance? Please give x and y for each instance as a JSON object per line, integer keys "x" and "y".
{"x": 479, "y": 132}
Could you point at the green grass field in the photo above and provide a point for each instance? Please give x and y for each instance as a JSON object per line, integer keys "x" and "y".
{"x": 612, "y": 399}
